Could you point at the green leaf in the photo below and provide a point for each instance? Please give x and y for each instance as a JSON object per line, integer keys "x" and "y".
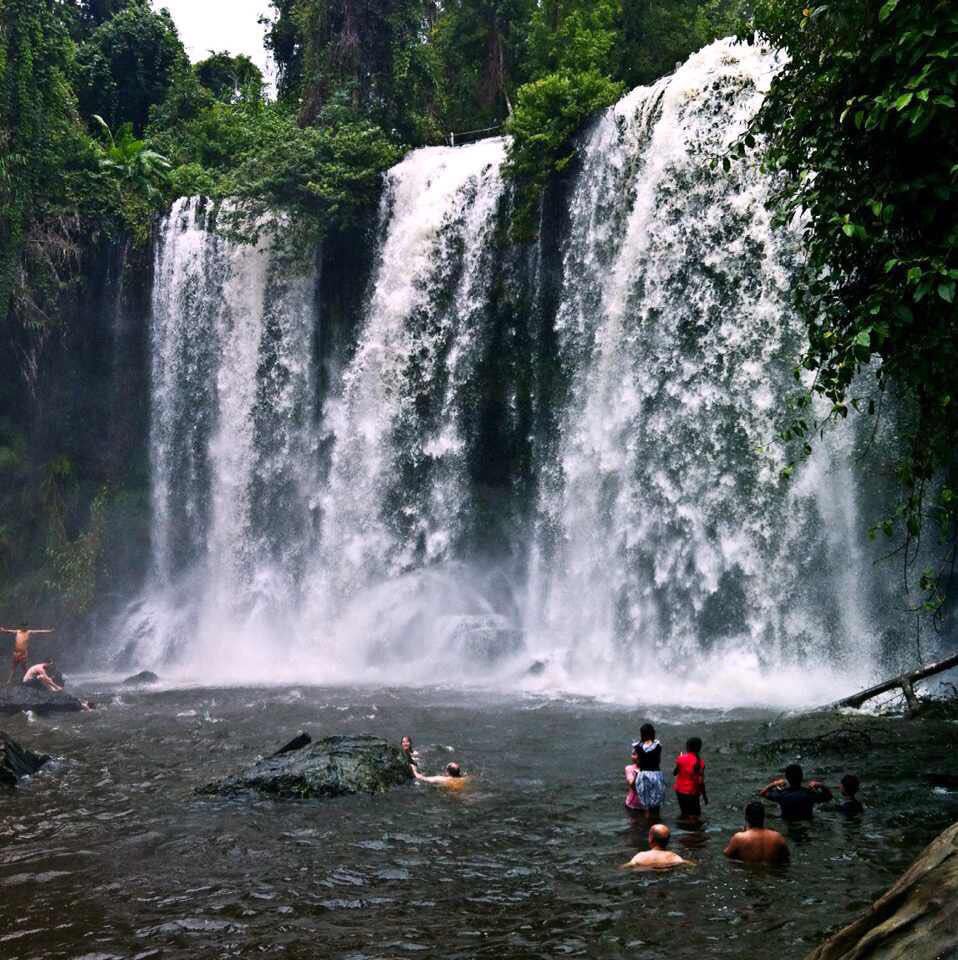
{"x": 903, "y": 101}
{"x": 887, "y": 9}
{"x": 947, "y": 291}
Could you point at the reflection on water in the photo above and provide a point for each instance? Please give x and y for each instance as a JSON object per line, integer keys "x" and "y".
{"x": 108, "y": 854}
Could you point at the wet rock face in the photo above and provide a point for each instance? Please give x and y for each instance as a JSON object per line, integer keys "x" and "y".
{"x": 331, "y": 767}
{"x": 917, "y": 919}
{"x": 17, "y": 761}
{"x": 19, "y": 696}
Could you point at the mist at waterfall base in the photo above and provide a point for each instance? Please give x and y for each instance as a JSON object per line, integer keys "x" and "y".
{"x": 315, "y": 519}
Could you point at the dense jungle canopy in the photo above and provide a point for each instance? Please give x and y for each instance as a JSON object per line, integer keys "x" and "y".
{"x": 104, "y": 121}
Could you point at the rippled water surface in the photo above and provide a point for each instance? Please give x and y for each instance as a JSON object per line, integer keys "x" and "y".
{"x": 108, "y": 854}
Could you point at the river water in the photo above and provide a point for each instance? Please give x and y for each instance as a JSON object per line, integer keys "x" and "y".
{"x": 107, "y": 853}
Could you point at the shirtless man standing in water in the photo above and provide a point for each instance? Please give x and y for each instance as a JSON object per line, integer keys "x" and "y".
{"x": 756, "y": 843}
{"x": 21, "y": 647}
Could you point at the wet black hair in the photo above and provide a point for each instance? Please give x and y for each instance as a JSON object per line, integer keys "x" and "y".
{"x": 453, "y": 769}
{"x": 647, "y": 731}
{"x": 693, "y": 744}
{"x": 794, "y": 775}
{"x": 755, "y": 813}
{"x": 851, "y": 783}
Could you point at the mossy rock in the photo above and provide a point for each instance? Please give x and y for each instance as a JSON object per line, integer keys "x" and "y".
{"x": 331, "y": 767}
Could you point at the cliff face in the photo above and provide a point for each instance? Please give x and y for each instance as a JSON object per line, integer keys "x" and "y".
{"x": 917, "y": 919}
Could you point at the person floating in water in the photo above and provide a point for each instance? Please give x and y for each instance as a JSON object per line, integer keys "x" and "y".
{"x": 689, "y": 776}
{"x": 453, "y": 777}
{"x": 647, "y": 784}
{"x": 38, "y": 677}
{"x": 795, "y": 801}
{"x": 21, "y": 647}
{"x": 658, "y": 856}
{"x": 757, "y": 843}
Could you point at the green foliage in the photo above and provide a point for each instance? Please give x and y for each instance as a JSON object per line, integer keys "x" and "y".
{"x": 128, "y": 65}
{"x": 573, "y": 43}
{"x": 548, "y": 114}
{"x": 480, "y": 48}
{"x": 230, "y": 78}
{"x": 862, "y": 137}
{"x": 316, "y": 178}
{"x": 74, "y": 563}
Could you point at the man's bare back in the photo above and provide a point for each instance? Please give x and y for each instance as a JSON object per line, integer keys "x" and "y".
{"x": 758, "y": 845}
{"x": 656, "y": 860}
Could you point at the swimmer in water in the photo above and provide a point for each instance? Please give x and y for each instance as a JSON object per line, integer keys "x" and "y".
{"x": 409, "y": 752}
{"x": 658, "y": 856}
{"x": 757, "y": 843}
{"x": 21, "y": 646}
{"x": 453, "y": 776}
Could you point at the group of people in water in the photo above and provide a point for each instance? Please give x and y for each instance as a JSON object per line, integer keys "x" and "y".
{"x": 756, "y": 843}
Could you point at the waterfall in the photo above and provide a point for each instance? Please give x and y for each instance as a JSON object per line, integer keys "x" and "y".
{"x": 667, "y": 544}
{"x": 336, "y": 528}
{"x": 231, "y": 443}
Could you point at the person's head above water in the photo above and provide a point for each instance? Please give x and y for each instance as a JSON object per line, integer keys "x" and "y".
{"x": 850, "y": 785}
{"x": 794, "y": 775}
{"x": 755, "y": 813}
{"x": 694, "y": 745}
{"x": 659, "y": 836}
{"x": 647, "y": 732}
{"x": 406, "y": 744}
{"x": 453, "y": 770}
{"x": 23, "y": 625}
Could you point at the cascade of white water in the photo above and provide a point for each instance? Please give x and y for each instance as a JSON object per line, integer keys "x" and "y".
{"x": 665, "y": 544}
{"x": 231, "y": 438}
{"x": 398, "y": 488}
{"x": 665, "y": 530}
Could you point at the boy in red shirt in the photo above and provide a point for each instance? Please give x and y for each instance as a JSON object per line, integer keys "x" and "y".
{"x": 689, "y": 776}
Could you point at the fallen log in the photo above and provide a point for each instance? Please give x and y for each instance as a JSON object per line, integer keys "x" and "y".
{"x": 905, "y": 682}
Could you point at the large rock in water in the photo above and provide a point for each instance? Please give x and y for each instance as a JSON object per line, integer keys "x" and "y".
{"x": 17, "y": 697}
{"x": 141, "y": 679}
{"x": 331, "y": 767}
{"x": 917, "y": 919}
{"x": 17, "y": 761}
{"x": 483, "y": 639}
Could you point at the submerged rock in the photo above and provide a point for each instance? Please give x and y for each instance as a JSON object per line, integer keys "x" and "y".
{"x": 143, "y": 677}
{"x": 17, "y": 697}
{"x": 331, "y": 767}
{"x": 917, "y": 919}
{"x": 17, "y": 761}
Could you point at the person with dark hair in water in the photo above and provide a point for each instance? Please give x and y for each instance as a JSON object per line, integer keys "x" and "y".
{"x": 648, "y": 785}
{"x": 658, "y": 856}
{"x": 849, "y": 804}
{"x": 408, "y": 752}
{"x": 689, "y": 776}
{"x": 796, "y": 802}
{"x": 757, "y": 843}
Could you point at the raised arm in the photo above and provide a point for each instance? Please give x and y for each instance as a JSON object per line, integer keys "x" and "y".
{"x": 822, "y": 793}
{"x": 39, "y": 631}
{"x": 774, "y": 785}
{"x": 7, "y": 630}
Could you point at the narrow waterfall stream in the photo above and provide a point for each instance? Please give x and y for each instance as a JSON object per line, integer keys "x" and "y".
{"x": 331, "y": 531}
